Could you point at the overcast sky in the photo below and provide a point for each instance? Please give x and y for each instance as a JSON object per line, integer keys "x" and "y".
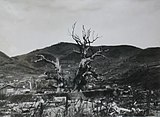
{"x": 26, "y": 25}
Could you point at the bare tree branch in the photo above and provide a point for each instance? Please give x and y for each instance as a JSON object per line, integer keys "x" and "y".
{"x": 84, "y": 45}
{"x": 56, "y": 64}
{"x": 75, "y": 36}
{"x": 85, "y": 36}
{"x": 42, "y": 57}
{"x": 98, "y": 53}
{"x": 76, "y": 51}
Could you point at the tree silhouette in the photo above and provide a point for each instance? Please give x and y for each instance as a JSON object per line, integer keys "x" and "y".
{"x": 87, "y": 56}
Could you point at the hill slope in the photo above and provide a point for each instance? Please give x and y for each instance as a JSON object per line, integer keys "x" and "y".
{"x": 123, "y": 64}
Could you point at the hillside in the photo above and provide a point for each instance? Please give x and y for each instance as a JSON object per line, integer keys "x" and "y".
{"x": 65, "y": 51}
{"x": 4, "y": 58}
{"x": 123, "y": 64}
{"x": 11, "y": 68}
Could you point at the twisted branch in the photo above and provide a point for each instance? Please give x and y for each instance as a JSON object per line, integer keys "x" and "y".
{"x": 56, "y": 64}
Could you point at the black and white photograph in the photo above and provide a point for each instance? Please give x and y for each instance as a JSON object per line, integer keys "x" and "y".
{"x": 79, "y": 58}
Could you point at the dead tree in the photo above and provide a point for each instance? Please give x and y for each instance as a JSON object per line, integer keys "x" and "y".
{"x": 87, "y": 57}
{"x": 56, "y": 65}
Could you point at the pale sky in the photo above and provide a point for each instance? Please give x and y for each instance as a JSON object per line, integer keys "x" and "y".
{"x": 26, "y": 25}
